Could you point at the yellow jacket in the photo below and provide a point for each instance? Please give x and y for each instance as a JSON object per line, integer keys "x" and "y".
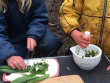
{"x": 90, "y": 12}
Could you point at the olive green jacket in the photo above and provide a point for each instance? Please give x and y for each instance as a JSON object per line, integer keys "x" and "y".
{"x": 74, "y": 13}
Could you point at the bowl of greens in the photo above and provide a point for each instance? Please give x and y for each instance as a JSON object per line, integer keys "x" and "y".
{"x": 91, "y": 59}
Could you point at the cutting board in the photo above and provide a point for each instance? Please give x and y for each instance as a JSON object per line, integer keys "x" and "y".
{"x": 63, "y": 79}
{"x": 53, "y": 69}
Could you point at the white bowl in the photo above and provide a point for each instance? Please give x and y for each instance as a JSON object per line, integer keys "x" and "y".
{"x": 86, "y": 63}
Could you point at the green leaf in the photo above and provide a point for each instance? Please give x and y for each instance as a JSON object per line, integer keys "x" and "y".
{"x": 23, "y": 79}
{"x": 82, "y": 56}
{"x": 8, "y": 69}
{"x": 38, "y": 79}
{"x": 68, "y": 69}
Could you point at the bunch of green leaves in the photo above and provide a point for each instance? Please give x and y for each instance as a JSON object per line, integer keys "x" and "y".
{"x": 38, "y": 68}
{"x": 29, "y": 79}
{"x": 8, "y": 69}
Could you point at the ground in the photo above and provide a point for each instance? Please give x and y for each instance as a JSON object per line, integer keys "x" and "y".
{"x": 54, "y": 24}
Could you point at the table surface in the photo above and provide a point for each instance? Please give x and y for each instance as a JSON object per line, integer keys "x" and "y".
{"x": 96, "y": 75}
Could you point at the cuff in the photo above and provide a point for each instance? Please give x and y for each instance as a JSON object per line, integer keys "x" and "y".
{"x": 33, "y": 37}
{"x": 72, "y": 31}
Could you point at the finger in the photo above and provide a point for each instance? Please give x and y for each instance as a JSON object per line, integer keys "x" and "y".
{"x": 83, "y": 45}
{"x": 12, "y": 66}
{"x": 86, "y": 38}
{"x": 85, "y": 42}
{"x": 32, "y": 46}
{"x": 35, "y": 44}
{"x": 28, "y": 44}
{"x": 108, "y": 68}
{"x": 22, "y": 64}
{"x": 90, "y": 37}
{"x": 16, "y": 64}
{"x": 81, "y": 41}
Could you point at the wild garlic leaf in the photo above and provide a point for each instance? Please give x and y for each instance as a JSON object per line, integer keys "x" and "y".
{"x": 68, "y": 69}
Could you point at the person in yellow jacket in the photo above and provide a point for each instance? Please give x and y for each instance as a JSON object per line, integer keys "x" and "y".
{"x": 78, "y": 16}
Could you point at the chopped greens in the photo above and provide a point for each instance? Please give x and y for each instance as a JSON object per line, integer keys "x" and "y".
{"x": 43, "y": 59}
{"x": 42, "y": 67}
{"x": 82, "y": 56}
{"x": 90, "y": 53}
{"x": 68, "y": 69}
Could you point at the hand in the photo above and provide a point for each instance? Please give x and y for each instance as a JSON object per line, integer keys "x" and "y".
{"x": 81, "y": 40}
{"x": 16, "y": 62}
{"x": 108, "y": 68}
{"x": 31, "y": 43}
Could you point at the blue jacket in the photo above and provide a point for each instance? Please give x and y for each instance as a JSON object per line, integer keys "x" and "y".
{"x": 15, "y": 26}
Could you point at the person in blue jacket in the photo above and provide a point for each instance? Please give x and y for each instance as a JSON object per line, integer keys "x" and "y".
{"x": 23, "y": 24}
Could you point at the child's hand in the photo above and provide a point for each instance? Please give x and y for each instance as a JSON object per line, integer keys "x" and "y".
{"x": 16, "y": 62}
{"x": 31, "y": 43}
{"x": 81, "y": 40}
{"x": 108, "y": 68}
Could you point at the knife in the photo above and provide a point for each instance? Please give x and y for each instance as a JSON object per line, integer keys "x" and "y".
{"x": 29, "y": 49}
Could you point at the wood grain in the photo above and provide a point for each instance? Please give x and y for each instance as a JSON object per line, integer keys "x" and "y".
{"x": 63, "y": 79}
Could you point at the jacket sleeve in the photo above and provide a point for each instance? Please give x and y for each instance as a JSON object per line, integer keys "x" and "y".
{"x": 6, "y": 48}
{"x": 38, "y": 20}
{"x": 69, "y": 15}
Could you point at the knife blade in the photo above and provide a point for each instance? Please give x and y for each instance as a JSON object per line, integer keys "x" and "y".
{"x": 29, "y": 49}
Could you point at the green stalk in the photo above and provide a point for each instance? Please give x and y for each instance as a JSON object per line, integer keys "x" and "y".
{"x": 38, "y": 79}
{"x": 23, "y": 79}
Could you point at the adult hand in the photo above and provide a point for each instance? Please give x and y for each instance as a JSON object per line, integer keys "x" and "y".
{"x": 108, "y": 68}
{"x": 16, "y": 62}
{"x": 81, "y": 40}
{"x": 31, "y": 43}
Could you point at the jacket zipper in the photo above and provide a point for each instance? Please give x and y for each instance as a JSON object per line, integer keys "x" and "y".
{"x": 103, "y": 18}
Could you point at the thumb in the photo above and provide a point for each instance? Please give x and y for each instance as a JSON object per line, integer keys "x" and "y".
{"x": 108, "y": 68}
{"x": 91, "y": 36}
